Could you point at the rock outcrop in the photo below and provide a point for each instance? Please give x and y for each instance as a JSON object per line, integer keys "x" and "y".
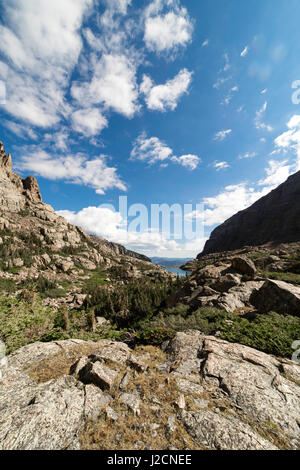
{"x": 277, "y": 296}
{"x": 39, "y": 239}
{"x": 201, "y": 393}
{"x": 274, "y": 218}
{"x": 227, "y": 285}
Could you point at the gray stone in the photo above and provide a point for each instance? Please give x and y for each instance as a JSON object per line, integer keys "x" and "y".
{"x": 98, "y": 374}
{"x": 132, "y": 401}
{"x": 278, "y": 296}
{"x": 137, "y": 364}
{"x": 218, "y": 432}
{"x": 243, "y": 265}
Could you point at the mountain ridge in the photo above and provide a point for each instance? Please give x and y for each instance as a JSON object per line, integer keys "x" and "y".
{"x": 273, "y": 218}
{"x": 18, "y": 194}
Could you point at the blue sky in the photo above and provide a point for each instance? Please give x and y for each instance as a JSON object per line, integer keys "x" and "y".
{"x": 162, "y": 101}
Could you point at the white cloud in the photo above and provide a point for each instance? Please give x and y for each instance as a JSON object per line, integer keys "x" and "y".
{"x": 163, "y": 97}
{"x": 245, "y": 51}
{"x": 114, "y": 7}
{"x": 165, "y": 32}
{"x": 258, "y": 121}
{"x": 205, "y": 43}
{"x": 247, "y": 155}
{"x": 106, "y": 223}
{"x": 220, "y": 82}
{"x": 290, "y": 140}
{"x": 189, "y": 161}
{"x": 76, "y": 169}
{"x": 21, "y": 130}
{"x": 227, "y": 63}
{"x": 153, "y": 150}
{"x": 221, "y": 135}
{"x": 42, "y": 43}
{"x": 113, "y": 85}
{"x": 264, "y": 91}
{"x": 277, "y": 173}
{"x": 221, "y": 165}
{"x": 89, "y": 122}
{"x": 235, "y": 198}
{"x": 229, "y": 96}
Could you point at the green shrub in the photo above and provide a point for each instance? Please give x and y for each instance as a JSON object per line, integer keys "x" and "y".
{"x": 127, "y": 305}
{"x": 271, "y": 333}
{"x": 154, "y": 336}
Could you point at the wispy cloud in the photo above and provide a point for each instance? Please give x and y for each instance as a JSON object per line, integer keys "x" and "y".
{"x": 221, "y": 135}
{"x": 230, "y": 94}
{"x": 258, "y": 121}
{"x": 245, "y": 51}
{"x": 220, "y": 165}
{"x": 205, "y": 43}
{"x": 247, "y": 155}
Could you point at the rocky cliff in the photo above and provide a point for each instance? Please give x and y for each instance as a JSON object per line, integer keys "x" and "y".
{"x": 22, "y": 210}
{"x": 274, "y": 218}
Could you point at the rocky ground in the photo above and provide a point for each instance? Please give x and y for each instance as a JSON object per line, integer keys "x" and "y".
{"x": 198, "y": 392}
{"x": 264, "y": 278}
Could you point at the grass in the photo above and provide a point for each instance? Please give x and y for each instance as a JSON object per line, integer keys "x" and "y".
{"x": 134, "y": 432}
{"x": 26, "y": 320}
{"x": 59, "y": 364}
{"x": 286, "y": 277}
{"x": 97, "y": 279}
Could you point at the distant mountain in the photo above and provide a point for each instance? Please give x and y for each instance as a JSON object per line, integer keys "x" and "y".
{"x": 273, "y": 218}
{"x": 170, "y": 262}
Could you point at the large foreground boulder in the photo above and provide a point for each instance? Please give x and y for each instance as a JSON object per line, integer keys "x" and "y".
{"x": 277, "y": 296}
{"x": 200, "y": 393}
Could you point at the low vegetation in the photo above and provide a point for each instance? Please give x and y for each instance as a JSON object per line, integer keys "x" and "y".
{"x": 271, "y": 333}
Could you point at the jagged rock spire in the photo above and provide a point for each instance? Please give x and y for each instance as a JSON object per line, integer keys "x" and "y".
{"x": 32, "y": 189}
{"x": 5, "y": 159}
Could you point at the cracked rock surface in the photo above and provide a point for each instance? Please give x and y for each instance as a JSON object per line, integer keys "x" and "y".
{"x": 230, "y": 396}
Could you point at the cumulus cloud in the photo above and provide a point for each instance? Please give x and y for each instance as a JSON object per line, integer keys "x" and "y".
{"x": 189, "y": 161}
{"x": 221, "y": 135}
{"x": 76, "y": 169}
{"x": 42, "y": 43}
{"x": 166, "y": 31}
{"x": 89, "y": 122}
{"x": 107, "y": 223}
{"x": 153, "y": 150}
{"x": 113, "y": 85}
{"x": 166, "y": 96}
